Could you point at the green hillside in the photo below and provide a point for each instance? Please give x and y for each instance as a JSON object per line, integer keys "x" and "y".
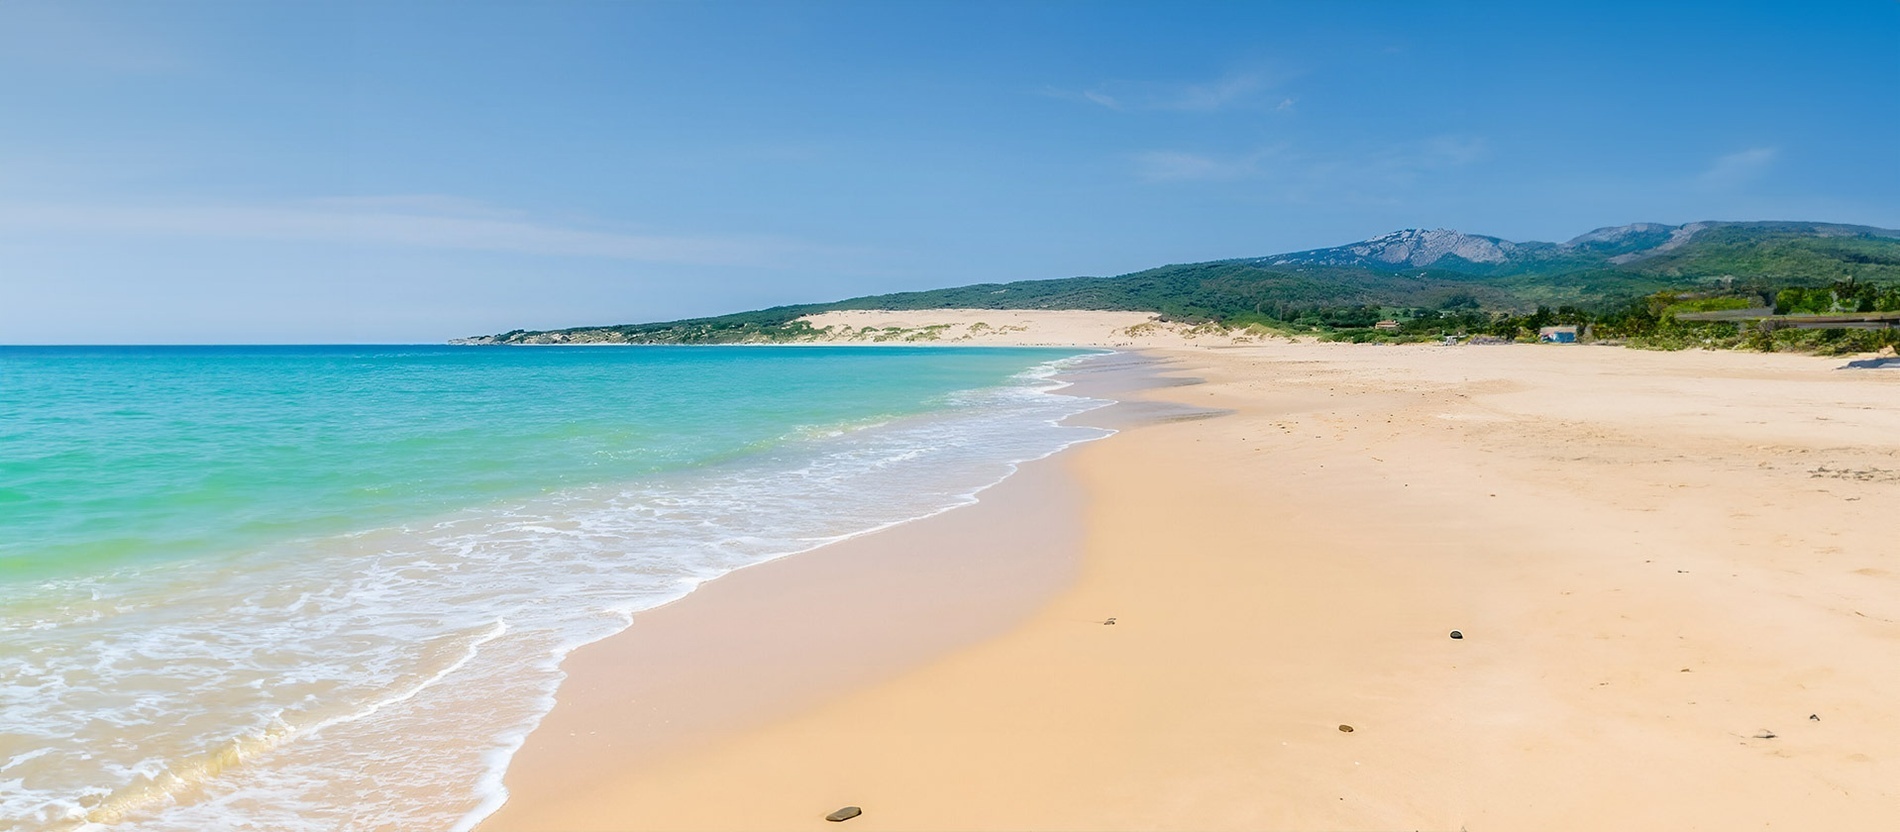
{"x": 1623, "y": 282}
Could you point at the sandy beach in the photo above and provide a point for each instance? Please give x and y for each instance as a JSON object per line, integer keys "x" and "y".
{"x": 1677, "y": 590}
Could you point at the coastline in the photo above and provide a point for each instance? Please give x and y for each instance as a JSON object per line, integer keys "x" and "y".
{"x": 765, "y": 643}
{"x": 1662, "y": 563}
{"x": 760, "y": 644}
{"x": 384, "y": 675}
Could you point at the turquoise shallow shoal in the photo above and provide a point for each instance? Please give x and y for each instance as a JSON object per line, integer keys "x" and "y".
{"x": 118, "y": 455}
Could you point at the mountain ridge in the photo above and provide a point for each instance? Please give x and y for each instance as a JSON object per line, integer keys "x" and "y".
{"x": 1436, "y": 269}
{"x": 1459, "y": 251}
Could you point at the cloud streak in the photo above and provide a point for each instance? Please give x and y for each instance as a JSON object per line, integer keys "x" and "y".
{"x": 1184, "y": 166}
{"x": 1733, "y": 169}
{"x": 68, "y": 36}
{"x": 430, "y": 222}
{"x": 1395, "y": 165}
{"x": 1214, "y": 95}
{"x": 1230, "y": 91}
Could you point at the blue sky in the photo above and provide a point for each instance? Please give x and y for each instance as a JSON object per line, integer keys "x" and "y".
{"x": 331, "y": 172}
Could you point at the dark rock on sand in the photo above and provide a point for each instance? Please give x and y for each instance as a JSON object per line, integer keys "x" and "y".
{"x": 844, "y": 814}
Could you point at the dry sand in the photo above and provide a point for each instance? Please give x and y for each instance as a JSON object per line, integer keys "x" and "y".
{"x": 1679, "y": 590}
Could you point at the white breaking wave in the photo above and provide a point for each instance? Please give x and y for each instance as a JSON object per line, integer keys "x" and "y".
{"x": 321, "y": 685}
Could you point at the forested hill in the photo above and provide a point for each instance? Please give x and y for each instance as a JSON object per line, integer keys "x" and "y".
{"x": 1412, "y": 274}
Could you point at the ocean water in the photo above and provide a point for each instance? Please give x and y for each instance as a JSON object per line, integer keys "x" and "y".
{"x": 294, "y": 588}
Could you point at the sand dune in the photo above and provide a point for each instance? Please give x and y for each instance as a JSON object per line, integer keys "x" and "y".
{"x": 1019, "y": 327}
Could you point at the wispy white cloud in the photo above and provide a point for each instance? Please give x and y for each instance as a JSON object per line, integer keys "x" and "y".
{"x": 1214, "y": 95}
{"x": 72, "y": 36}
{"x": 1184, "y": 166}
{"x": 1234, "y": 90}
{"x": 1385, "y": 167}
{"x": 1733, "y": 169}
{"x": 434, "y": 222}
{"x": 432, "y": 204}
{"x": 1440, "y": 152}
{"x": 1177, "y": 165}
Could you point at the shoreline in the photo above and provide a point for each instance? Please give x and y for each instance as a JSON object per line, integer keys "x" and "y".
{"x": 1674, "y": 600}
{"x": 714, "y": 662}
{"x": 764, "y": 643}
{"x": 1079, "y": 329}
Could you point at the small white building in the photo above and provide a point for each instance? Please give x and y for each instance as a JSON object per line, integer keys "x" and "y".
{"x": 1558, "y": 334}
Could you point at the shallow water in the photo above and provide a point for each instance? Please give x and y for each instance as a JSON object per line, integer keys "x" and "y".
{"x": 324, "y": 588}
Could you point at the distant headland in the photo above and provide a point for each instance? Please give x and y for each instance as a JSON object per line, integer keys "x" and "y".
{"x": 1644, "y": 284}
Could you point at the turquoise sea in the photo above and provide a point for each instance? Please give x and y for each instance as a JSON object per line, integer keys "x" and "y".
{"x": 292, "y": 588}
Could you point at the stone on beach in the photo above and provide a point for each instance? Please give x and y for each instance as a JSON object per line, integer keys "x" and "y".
{"x": 844, "y": 814}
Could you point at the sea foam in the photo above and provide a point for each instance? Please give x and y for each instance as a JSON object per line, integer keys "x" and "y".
{"x": 324, "y": 684}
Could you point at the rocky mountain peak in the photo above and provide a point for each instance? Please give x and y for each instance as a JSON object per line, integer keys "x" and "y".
{"x": 1416, "y": 247}
{"x": 1411, "y": 247}
{"x": 1618, "y": 233}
